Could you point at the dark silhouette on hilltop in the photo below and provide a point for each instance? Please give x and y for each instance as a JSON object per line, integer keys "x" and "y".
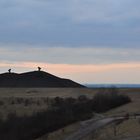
{"x": 39, "y": 69}
{"x": 35, "y": 79}
{"x": 9, "y": 70}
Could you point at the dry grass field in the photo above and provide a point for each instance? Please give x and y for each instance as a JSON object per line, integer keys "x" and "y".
{"x": 127, "y": 129}
{"x": 45, "y": 92}
{"x": 53, "y": 92}
{"x": 25, "y": 101}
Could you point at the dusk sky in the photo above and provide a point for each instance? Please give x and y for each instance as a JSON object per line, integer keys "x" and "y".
{"x": 89, "y": 41}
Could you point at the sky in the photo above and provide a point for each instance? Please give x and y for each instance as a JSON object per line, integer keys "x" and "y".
{"x": 89, "y": 41}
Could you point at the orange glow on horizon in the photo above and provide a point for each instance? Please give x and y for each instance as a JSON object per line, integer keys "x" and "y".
{"x": 84, "y": 73}
{"x": 71, "y": 68}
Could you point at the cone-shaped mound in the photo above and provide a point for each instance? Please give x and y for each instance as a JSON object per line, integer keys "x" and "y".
{"x": 35, "y": 79}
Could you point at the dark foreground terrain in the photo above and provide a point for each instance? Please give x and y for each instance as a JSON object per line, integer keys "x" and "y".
{"x": 56, "y": 113}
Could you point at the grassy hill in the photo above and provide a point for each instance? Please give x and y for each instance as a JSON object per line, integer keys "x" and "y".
{"x": 35, "y": 79}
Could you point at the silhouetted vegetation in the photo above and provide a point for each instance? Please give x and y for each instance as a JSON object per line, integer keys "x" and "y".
{"x": 60, "y": 113}
{"x": 1, "y": 103}
{"x": 108, "y": 99}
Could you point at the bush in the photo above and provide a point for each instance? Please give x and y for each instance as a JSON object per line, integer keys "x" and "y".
{"x": 108, "y": 99}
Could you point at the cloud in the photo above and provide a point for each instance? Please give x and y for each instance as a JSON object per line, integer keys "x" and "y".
{"x": 70, "y": 68}
{"x": 105, "y": 11}
{"x": 74, "y": 22}
{"x": 68, "y": 55}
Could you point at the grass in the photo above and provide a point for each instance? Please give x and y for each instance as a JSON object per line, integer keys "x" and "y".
{"x": 130, "y": 128}
{"x": 126, "y": 129}
{"x": 62, "y": 133}
{"x": 46, "y": 92}
{"x": 26, "y": 101}
{"x": 22, "y": 106}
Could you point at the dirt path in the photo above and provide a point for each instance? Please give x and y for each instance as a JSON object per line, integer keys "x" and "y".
{"x": 90, "y": 128}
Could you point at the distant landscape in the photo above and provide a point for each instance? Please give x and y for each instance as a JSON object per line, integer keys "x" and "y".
{"x": 21, "y": 104}
{"x": 113, "y": 85}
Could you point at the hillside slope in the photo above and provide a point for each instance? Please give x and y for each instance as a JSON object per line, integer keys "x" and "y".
{"x": 35, "y": 79}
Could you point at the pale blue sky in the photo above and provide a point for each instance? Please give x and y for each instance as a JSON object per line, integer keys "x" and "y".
{"x": 71, "y": 22}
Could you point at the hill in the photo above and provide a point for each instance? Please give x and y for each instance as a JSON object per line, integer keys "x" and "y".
{"x": 35, "y": 79}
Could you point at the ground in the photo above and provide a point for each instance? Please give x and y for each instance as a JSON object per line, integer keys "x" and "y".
{"x": 25, "y": 101}
{"x": 127, "y": 129}
{"x": 28, "y": 100}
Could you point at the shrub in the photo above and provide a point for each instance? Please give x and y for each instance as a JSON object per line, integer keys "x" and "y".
{"x": 108, "y": 100}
